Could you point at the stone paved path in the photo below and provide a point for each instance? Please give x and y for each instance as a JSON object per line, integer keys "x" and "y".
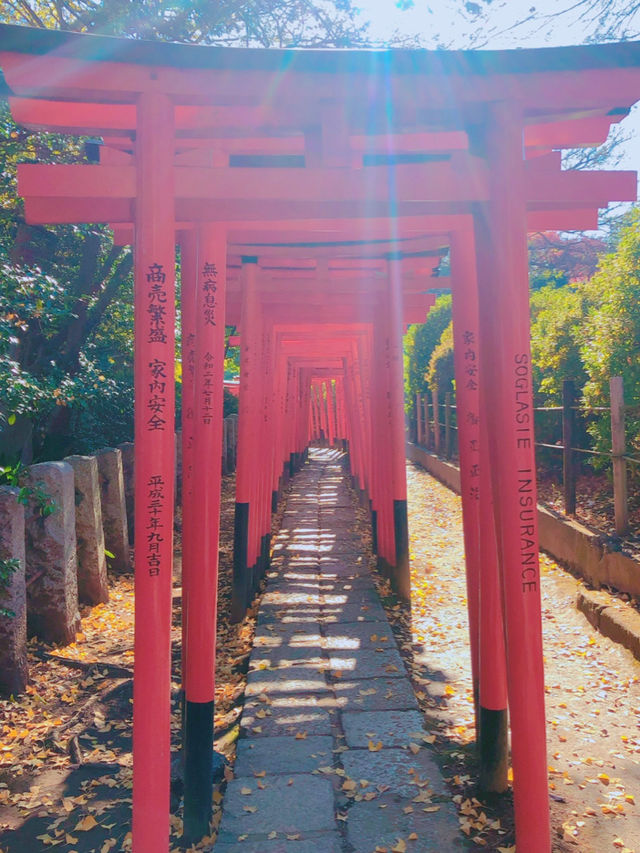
{"x": 332, "y": 757}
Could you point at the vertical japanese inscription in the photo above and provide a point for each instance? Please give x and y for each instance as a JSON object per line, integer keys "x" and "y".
{"x": 154, "y": 537}
{"x": 387, "y": 366}
{"x": 191, "y": 375}
{"x": 472, "y": 407}
{"x": 208, "y": 303}
{"x": 207, "y": 387}
{"x": 157, "y": 401}
{"x": 157, "y": 308}
{"x": 209, "y": 288}
{"x": 157, "y": 334}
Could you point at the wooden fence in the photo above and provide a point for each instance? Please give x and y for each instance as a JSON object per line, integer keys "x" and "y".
{"x": 435, "y": 427}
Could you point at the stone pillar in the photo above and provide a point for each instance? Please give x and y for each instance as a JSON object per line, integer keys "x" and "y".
{"x": 114, "y": 513}
{"x": 92, "y": 563}
{"x": 13, "y": 595}
{"x": 51, "y": 567}
{"x": 128, "y": 473}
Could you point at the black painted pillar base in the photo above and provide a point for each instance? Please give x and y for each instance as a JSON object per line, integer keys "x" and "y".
{"x": 257, "y": 570}
{"x": 265, "y": 545}
{"x": 274, "y": 501}
{"x": 384, "y": 567}
{"x": 198, "y": 769}
{"x": 402, "y": 572}
{"x": 493, "y": 749}
{"x": 363, "y": 497}
{"x": 374, "y": 531}
{"x": 292, "y": 464}
{"x": 241, "y": 576}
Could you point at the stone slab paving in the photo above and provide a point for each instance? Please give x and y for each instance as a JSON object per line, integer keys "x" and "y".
{"x": 333, "y": 756}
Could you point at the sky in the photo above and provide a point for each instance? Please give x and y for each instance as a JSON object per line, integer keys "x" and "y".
{"x": 442, "y": 22}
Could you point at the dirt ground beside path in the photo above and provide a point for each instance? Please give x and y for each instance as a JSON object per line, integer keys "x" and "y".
{"x": 592, "y": 692}
{"x": 65, "y": 745}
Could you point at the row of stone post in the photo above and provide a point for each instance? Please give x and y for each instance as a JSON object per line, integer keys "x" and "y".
{"x": 56, "y": 538}
{"x": 57, "y": 533}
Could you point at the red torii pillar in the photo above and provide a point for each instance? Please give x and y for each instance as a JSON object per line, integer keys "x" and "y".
{"x": 505, "y": 352}
{"x": 381, "y": 438}
{"x": 202, "y": 577}
{"x": 245, "y": 467}
{"x": 154, "y": 470}
{"x": 267, "y": 445}
{"x": 331, "y": 418}
{"x": 402, "y": 571}
{"x": 188, "y": 274}
{"x": 483, "y": 592}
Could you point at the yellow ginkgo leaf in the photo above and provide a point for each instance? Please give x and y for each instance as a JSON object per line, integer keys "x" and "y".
{"x": 86, "y": 824}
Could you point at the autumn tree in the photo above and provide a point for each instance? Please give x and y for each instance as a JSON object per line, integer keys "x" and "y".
{"x": 559, "y": 258}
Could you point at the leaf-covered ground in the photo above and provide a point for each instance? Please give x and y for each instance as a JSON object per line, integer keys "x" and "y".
{"x": 65, "y": 746}
{"x": 592, "y": 687}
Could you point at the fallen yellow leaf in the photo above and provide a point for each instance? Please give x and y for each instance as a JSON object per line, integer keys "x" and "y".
{"x": 86, "y": 824}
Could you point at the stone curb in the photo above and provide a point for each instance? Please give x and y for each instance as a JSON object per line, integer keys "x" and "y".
{"x": 612, "y": 618}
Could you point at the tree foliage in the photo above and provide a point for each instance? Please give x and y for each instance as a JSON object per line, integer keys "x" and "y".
{"x": 419, "y": 344}
{"x": 557, "y": 315}
{"x": 264, "y": 23}
{"x": 440, "y": 373}
{"x": 610, "y": 336}
{"x": 65, "y": 319}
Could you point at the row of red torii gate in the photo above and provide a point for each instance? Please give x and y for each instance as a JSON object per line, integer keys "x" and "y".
{"x": 312, "y": 194}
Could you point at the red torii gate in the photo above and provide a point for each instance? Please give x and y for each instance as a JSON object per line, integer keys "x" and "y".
{"x": 249, "y": 150}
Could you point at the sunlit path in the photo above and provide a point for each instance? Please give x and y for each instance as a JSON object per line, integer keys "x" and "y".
{"x": 332, "y": 747}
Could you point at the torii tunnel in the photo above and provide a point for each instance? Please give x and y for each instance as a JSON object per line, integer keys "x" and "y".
{"x": 312, "y": 194}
